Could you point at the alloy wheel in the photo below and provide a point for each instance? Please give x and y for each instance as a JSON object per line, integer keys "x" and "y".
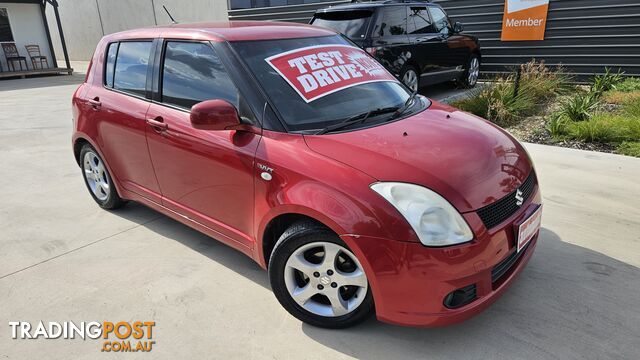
{"x": 474, "y": 71}
{"x": 325, "y": 279}
{"x": 96, "y": 176}
{"x": 410, "y": 79}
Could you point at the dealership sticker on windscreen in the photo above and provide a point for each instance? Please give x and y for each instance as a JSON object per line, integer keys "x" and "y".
{"x": 318, "y": 71}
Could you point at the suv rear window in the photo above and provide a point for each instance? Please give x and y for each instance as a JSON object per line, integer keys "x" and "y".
{"x": 131, "y": 67}
{"x": 353, "y": 24}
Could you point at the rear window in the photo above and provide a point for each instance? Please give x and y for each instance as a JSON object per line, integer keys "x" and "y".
{"x": 131, "y": 67}
{"x": 352, "y": 24}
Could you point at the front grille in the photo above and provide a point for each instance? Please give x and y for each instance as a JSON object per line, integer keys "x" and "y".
{"x": 494, "y": 214}
{"x": 506, "y": 264}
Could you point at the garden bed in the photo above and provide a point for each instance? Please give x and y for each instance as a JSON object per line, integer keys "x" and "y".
{"x": 543, "y": 106}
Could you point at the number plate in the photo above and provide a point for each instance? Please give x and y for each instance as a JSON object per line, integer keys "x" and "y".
{"x": 528, "y": 229}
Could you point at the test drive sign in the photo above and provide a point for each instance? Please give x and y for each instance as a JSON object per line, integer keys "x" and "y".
{"x": 524, "y": 20}
{"x": 317, "y": 71}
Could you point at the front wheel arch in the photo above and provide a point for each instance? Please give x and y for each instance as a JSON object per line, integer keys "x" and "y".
{"x": 310, "y": 235}
{"x": 277, "y": 226}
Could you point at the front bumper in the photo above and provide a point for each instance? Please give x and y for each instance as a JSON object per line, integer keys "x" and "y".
{"x": 410, "y": 281}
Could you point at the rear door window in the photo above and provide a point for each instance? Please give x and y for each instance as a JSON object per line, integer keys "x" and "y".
{"x": 418, "y": 21}
{"x": 192, "y": 73}
{"x": 131, "y": 67}
{"x": 353, "y": 24}
{"x": 392, "y": 21}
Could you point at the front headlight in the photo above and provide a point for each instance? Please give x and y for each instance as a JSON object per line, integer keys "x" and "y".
{"x": 434, "y": 219}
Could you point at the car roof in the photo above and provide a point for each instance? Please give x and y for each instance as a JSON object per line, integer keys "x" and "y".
{"x": 370, "y": 5}
{"x": 226, "y": 31}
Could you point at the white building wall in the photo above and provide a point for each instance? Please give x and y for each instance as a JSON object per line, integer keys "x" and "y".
{"x": 84, "y": 22}
{"x": 28, "y": 29}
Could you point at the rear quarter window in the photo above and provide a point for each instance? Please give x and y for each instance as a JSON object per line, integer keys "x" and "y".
{"x": 110, "y": 63}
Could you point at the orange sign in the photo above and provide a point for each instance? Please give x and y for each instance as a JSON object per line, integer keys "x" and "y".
{"x": 524, "y": 20}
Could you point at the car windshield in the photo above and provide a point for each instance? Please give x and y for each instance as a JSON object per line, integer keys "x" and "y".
{"x": 318, "y": 108}
{"x": 353, "y": 24}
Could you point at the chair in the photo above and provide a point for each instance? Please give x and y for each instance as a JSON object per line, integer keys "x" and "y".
{"x": 12, "y": 55}
{"x": 36, "y": 56}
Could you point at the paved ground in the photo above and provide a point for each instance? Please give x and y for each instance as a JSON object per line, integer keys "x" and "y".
{"x": 64, "y": 259}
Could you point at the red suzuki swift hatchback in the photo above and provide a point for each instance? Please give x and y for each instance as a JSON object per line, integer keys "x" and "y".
{"x": 294, "y": 146}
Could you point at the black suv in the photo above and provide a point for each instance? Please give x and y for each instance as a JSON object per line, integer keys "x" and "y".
{"x": 413, "y": 39}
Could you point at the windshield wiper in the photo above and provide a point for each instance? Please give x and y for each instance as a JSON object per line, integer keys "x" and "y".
{"x": 406, "y": 105}
{"x": 358, "y": 118}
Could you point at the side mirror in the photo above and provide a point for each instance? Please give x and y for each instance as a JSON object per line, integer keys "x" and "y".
{"x": 214, "y": 115}
{"x": 458, "y": 27}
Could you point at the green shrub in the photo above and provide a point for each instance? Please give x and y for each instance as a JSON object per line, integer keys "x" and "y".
{"x": 632, "y": 108}
{"x": 557, "y": 126}
{"x": 606, "y": 82}
{"x": 541, "y": 82}
{"x": 628, "y": 85}
{"x": 477, "y": 102}
{"x": 506, "y": 108}
{"x": 579, "y": 107}
{"x": 621, "y": 97}
{"x": 606, "y": 128}
{"x": 593, "y": 131}
{"x": 630, "y": 148}
{"x": 498, "y": 102}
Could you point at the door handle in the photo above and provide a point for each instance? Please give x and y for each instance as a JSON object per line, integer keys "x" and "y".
{"x": 157, "y": 124}
{"x": 95, "y": 103}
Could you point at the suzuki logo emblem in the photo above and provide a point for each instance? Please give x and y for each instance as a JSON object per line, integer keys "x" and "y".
{"x": 519, "y": 198}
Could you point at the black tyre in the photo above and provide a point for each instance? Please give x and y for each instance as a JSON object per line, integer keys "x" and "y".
{"x": 471, "y": 72}
{"x": 98, "y": 180}
{"x": 410, "y": 78}
{"x": 317, "y": 278}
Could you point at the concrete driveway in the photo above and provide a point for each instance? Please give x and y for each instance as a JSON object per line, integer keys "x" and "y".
{"x": 64, "y": 259}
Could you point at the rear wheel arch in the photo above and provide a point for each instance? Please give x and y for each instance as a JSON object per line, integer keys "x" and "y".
{"x": 414, "y": 64}
{"x": 80, "y": 142}
{"x": 77, "y": 147}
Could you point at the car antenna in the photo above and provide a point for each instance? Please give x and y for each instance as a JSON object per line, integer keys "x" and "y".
{"x": 168, "y": 13}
